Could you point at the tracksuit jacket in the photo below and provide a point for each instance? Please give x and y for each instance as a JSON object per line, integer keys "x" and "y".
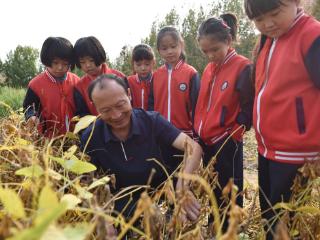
{"x": 140, "y": 90}
{"x": 52, "y": 101}
{"x": 225, "y": 100}
{"x": 174, "y": 94}
{"x": 286, "y": 108}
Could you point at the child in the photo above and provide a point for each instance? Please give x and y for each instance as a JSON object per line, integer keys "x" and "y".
{"x": 49, "y": 100}
{"x": 225, "y": 101}
{"x": 287, "y": 82}
{"x": 175, "y": 85}
{"x": 91, "y": 59}
{"x": 142, "y": 62}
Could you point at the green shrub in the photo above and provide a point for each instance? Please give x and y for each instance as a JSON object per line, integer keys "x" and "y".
{"x": 12, "y": 97}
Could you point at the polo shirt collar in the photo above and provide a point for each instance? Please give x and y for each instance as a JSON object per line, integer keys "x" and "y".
{"x": 134, "y": 130}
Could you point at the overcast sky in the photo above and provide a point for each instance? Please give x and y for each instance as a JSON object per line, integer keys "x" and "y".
{"x": 115, "y": 23}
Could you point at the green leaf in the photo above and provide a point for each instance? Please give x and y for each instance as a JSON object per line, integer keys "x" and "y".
{"x": 36, "y": 232}
{"x": 75, "y": 165}
{"x": 32, "y": 171}
{"x": 83, "y": 193}
{"x": 83, "y": 123}
{"x": 287, "y": 206}
{"x": 12, "y": 203}
{"x": 47, "y": 200}
{"x": 308, "y": 209}
{"x": 70, "y": 200}
{"x": 78, "y": 232}
{"x": 101, "y": 181}
{"x": 70, "y": 152}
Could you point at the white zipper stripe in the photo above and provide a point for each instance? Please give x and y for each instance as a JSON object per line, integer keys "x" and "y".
{"x": 297, "y": 158}
{"x": 259, "y": 97}
{"x": 218, "y": 138}
{"x": 142, "y": 98}
{"x": 124, "y": 152}
{"x": 169, "y": 93}
{"x": 199, "y": 129}
{"x": 297, "y": 153}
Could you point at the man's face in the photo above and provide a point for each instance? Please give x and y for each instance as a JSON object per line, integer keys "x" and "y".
{"x": 113, "y": 103}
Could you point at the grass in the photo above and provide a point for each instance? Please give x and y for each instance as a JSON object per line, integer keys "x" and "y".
{"x": 13, "y": 97}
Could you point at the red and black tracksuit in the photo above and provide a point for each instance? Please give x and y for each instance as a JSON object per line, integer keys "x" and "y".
{"x": 84, "y": 106}
{"x": 286, "y": 108}
{"x": 224, "y": 108}
{"x": 140, "y": 90}
{"x": 174, "y": 94}
{"x": 51, "y": 100}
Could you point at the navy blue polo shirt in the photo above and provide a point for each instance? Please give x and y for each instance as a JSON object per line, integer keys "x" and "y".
{"x": 128, "y": 159}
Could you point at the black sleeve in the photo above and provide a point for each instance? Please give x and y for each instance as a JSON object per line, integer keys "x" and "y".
{"x": 312, "y": 62}
{"x": 244, "y": 86}
{"x": 31, "y": 104}
{"x": 194, "y": 93}
{"x": 151, "y": 98}
{"x": 81, "y": 105}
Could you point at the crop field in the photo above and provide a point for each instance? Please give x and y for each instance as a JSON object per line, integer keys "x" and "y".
{"x": 49, "y": 190}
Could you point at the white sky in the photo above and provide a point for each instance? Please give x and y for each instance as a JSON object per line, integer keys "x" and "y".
{"x": 115, "y": 23}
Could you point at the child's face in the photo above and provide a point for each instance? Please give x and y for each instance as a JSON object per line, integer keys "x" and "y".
{"x": 278, "y": 21}
{"x": 143, "y": 67}
{"x": 215, "y": 50}
{"x": 59, "y": 67}
{"x": 170, "y": 49}
{"x": 89, "y": 66}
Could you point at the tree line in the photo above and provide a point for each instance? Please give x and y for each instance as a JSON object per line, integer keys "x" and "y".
{"x": 22, "y": 64}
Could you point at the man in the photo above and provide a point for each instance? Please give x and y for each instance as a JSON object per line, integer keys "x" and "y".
{"x": 122, "y": 140}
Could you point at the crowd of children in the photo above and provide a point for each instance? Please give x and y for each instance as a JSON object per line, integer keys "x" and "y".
{"x": 217, "y": 109}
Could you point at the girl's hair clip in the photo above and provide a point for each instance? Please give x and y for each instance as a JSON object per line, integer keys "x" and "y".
{"x": 224, "y": 24}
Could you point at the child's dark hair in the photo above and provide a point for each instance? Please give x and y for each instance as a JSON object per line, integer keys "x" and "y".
{"x": 89, "y": 46}
{"x": 255, "y": 8}
{"x": 222, "y": 29}
{"x": 99, "y": 82}
{"x": 174, "y": 33}
{"x": 57, "y": 47}
{"x": 142, "y": 52}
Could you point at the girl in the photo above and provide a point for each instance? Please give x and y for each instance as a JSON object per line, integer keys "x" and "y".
{"x": 287, "y": 82}
{"x": 49, "y": 101}
{"x": 175, "y": 86}
{"x": 142, "y": 62}
{"x": 91, "y": 59}
{"x": 225, "y": 101}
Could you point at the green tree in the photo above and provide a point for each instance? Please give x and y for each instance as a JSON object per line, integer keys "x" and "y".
{"x": 316, "y": 9}
{"x": 189, "y": 32}
{"x": 123, "y": 62}
{"x": 152, "y": 41}
{"x": 21, "y": 66}
{"x": 172, "y": 18}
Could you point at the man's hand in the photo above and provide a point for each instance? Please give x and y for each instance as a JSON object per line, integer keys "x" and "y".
{"x": 190, "y": 205}
{"x": 33, "y": 121}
